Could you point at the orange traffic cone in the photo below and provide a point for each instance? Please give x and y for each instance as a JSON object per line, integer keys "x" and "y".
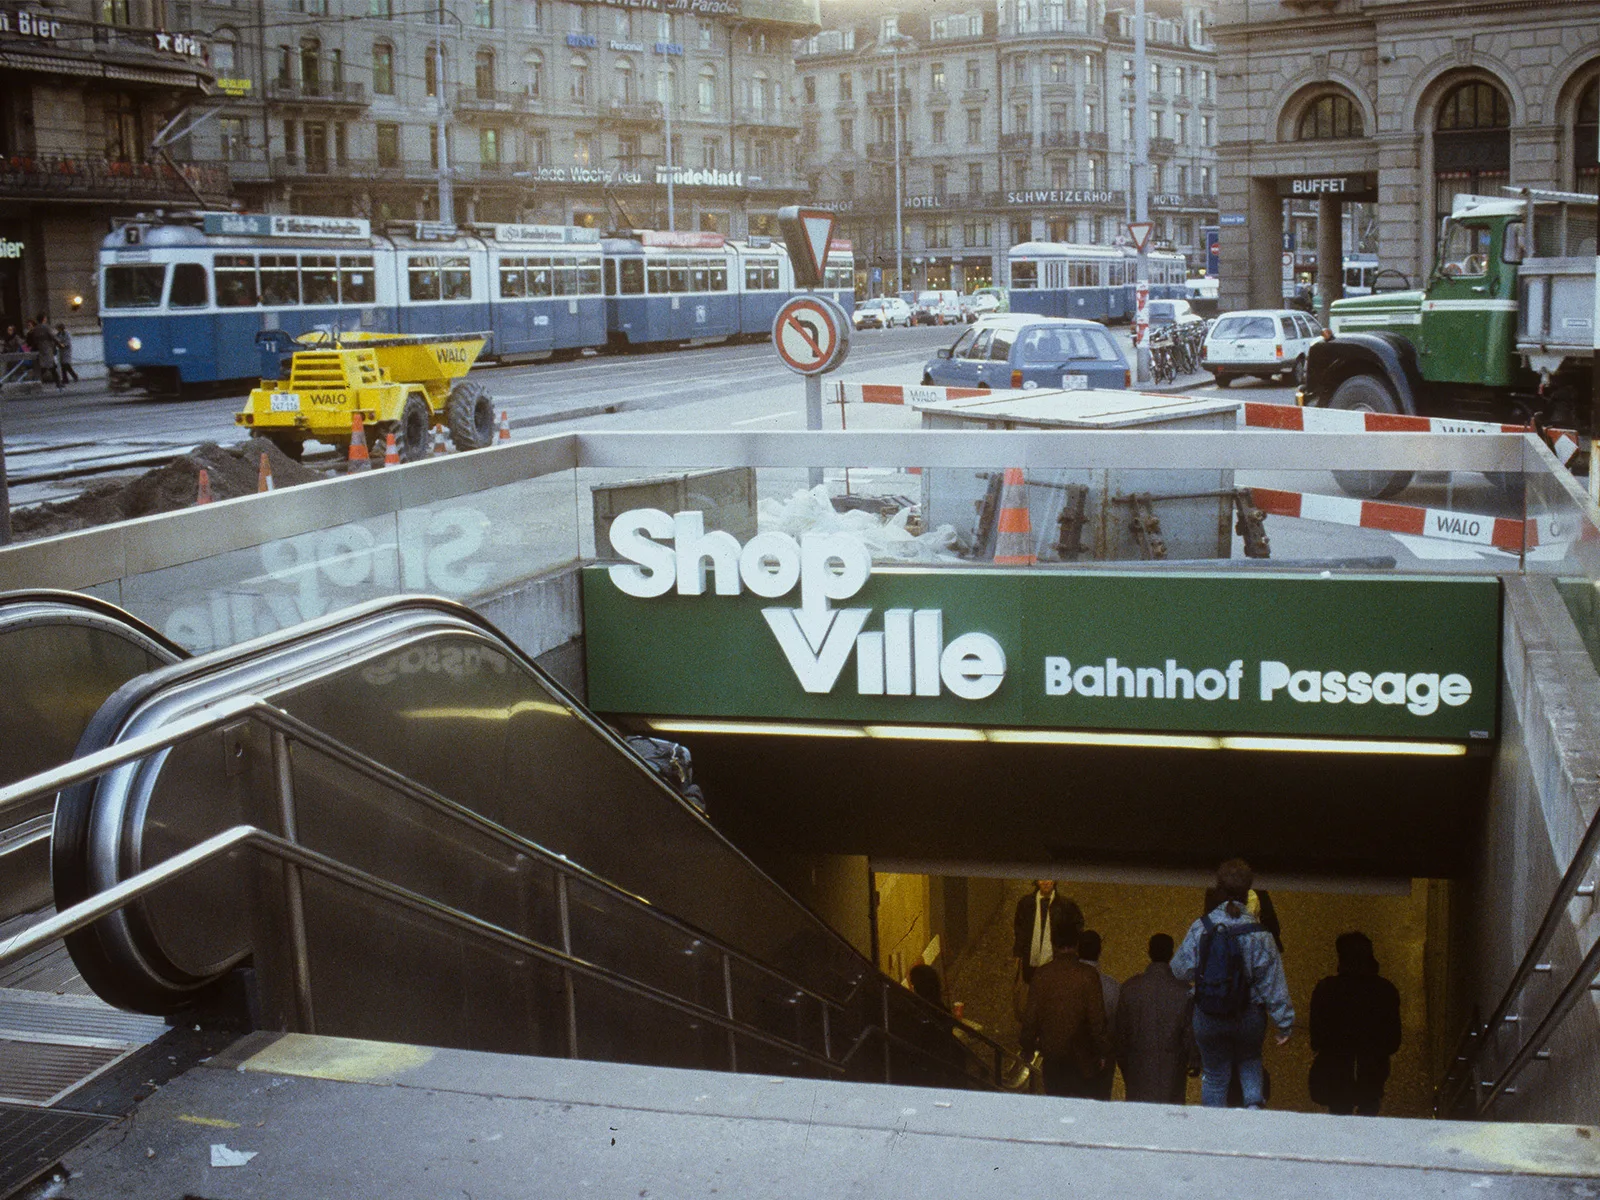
{"x": 505, "y": 426}
{"x": 1013, "y": 543}
{"x": 391, "y": 453}
{"x": 203, "y": 489}
{"x": 358, "y": 445}
{"x": 438, "y": 440}
{"x": 264, "y": 475}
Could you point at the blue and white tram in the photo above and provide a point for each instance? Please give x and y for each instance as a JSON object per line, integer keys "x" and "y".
{"x": 839, "y": 277}
{"x": 667, "y": 286}
{"x": 182, "y": 298}
{"x": 1063, "y": 279}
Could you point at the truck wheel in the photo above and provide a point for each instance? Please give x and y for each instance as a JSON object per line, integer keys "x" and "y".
{"x": 470, "y": 413}
{"x": 1363, "y": 393}
{"x": 1298, "y": 375}
{"x": 1223, "y": 380}
{"x": 294, "y": 447}
{"x": 411, "y": 432}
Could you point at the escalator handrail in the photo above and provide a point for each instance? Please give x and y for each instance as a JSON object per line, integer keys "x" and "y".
{"x": 240, "y": 708}
{"x": 103, "y": 904}
{"x": 103, "y": 612}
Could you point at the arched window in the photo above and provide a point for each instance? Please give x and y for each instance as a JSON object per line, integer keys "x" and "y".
{"x": 667, "y": 85}
{"x": 311, "y": 66}
{"x": 757, "y": 97}
{"x": 580, "y": 79}
{"x": 382, "y": 69}
{"x": 1327, "y": 117}
{"x": 223, "y": 52}
{"x": 533, "y": 73}
{"x": 708, "y": 89}
{"x": 1471, "y": 143}
{"x": 1585, "y": 135}
{"x": 430, "y": 71}
{"x": 622, "y": 74}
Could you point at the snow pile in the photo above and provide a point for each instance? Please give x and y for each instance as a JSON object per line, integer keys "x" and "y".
{"x": 812, "y": 511}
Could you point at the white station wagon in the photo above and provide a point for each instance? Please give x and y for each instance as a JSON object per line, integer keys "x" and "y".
{"x": 1264, "y": 342}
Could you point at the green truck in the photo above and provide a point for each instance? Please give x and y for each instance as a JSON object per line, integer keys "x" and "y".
{"x": 1504, "y": 331}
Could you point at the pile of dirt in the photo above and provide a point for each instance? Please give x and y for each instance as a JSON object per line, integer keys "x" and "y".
{"x": 233, "y": 471}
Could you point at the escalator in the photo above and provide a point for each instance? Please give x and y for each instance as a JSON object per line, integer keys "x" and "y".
{"x": 433, "y": 842}
{"x": 61, "y": 655}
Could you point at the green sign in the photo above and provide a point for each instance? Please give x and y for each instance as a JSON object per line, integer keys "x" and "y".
{"x": 1414, "y": 658}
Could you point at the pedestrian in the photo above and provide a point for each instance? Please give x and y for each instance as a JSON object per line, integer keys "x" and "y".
{"x": 1153, "y": 1034}
{"x": 41, "y": 340}
{"x": 1036, "y": 914}
{"x": 1065, "y": 1020}
{"x": 64, "y": 356}
{"x": 936, "y": 1037}
{"x": 1238, "y": 984}
{"x": 13, "y": 343}
{"x": 1089, "y": 946}
{"x": 1355, "y": 1028}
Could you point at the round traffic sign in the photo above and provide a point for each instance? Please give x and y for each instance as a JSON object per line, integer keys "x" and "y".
{"x": 812, "y": 335}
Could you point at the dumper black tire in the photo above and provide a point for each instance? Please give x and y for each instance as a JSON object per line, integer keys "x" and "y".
{"x": 470, "y": 413}
{"x": 412, "y": 440}
{"x": 292, "y": 447}
{"x": 1366, "y": 393}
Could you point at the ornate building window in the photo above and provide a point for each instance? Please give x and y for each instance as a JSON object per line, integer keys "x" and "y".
{"x": 1328, "y": 117}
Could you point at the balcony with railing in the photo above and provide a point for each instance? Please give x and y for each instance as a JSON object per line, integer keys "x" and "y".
{"x": 470, "y": 100}
{"x": 1016, "y": 141}
{"x": 884, "y": 98}
{"x": 1094, "y": 141}
{"x": 767, "y": 118}
{"x": 1163, "y": 147}
{"x": 318, "y": 92}
{"x": 65, "y": 178}
{"x": 1062, "y": 139}
{"x": 885, "y": 150}
{"x": 631, "y": 112}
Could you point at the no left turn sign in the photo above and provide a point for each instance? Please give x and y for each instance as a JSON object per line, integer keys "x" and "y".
{"x": 812, "y": 335}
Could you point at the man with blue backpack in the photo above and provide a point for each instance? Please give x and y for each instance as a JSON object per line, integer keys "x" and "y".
{"x": 1238, "y": 984}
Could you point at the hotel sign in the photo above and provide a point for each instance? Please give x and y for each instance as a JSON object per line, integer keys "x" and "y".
{"x": 1063, "y": 196}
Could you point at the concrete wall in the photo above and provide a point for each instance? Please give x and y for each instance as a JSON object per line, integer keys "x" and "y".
{"x": 1545, "y": 789}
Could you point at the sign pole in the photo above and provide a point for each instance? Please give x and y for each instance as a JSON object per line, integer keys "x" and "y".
{"x": 814, "y": 417}
{"x": 1141, "y": 197}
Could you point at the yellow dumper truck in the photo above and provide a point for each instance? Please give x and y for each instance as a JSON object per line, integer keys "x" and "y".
{"x": 400, "y": 383}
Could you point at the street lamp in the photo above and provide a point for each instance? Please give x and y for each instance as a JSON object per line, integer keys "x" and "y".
{"x": 447, "y": 195}
{"x": 895, "y": 42}
{"x": 667, "y": 83}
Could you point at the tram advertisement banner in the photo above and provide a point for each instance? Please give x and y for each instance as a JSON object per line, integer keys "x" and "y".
{"x": 1349, "y": 656}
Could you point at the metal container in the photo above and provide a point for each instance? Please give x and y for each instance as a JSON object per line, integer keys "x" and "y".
{"x": 1088, "y": 514}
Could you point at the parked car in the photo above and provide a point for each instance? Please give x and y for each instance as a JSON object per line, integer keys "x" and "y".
{"x": 989, "y": 300}
{"x": 937, "y": 308}
{"x": 1022, "y": 350}
{"x": 1266, "y": 343}
{"x": 882, "y": 312}
{"x": 1172, "y": 312}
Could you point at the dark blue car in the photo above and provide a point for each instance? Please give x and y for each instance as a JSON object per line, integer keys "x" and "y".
{"x": 1018, "y": 350}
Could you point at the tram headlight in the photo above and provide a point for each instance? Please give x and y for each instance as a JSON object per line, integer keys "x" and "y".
{"x": 135, "y": 344}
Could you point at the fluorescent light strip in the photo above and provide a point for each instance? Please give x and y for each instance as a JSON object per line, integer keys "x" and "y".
{"x": 1067, "y": 737}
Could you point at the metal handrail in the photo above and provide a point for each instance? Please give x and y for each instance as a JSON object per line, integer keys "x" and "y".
{"x": 284, "y": 727}
{"x": 1475, "y": 1041}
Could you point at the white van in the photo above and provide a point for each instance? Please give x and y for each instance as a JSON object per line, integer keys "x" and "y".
{"x": 937, "y": 308}
{"x": 1263, "y": 342}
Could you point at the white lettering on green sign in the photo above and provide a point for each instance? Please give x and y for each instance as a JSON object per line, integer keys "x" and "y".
{"x": 907, "y": 657}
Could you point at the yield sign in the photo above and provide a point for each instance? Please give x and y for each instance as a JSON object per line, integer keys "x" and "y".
{"x": 807, "y": 232}
{"x": 1140, "y": 232}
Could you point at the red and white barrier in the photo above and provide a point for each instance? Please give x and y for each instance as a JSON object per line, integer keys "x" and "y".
{"x": 895, "y": 393}
{"x": 1503, "y": 533}
{"x": 1341, "y": 420}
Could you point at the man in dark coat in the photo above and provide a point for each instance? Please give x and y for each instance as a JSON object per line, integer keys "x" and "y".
{"x": 1065, "y": 1020}
{"x": 1355, "y": 1028}
{"x": 1155, "y": 1042}
{"x": 1037, "y": 915}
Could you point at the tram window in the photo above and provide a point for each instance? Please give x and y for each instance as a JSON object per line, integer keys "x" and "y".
{"x": 632, "y": 276}
{"x": 236, "y": 281}
{"x": 752, "y": 277}
{"x": 1024, "y": 275}
{"x": 356, "y": 282}
{"x": 1116, "y": 275}
{"x": 699, "y": 279}
{"x": 134, "y": 287}
{"x": 513, "y": 278}
{"x": 458, "y": 279}
{"x": 589, "y": 278}
{"x": 1000, "y": 347}
{"x": 658, "y": 278}
{"x": 280, "y": 279}
{"x": 319, "y": 279}
{"x": 678, "y": 274}
{"x": 424, "y": 270}
{"x": 769, "y": 276}
{"x": 564, "y": 274}
{"x": 188, "y": 286}
{"x": 719, "y": 277}
{"x": 539, "y": 281}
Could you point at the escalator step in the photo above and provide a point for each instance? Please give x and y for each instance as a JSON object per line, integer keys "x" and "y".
{"x": 41, "y": 1072}
{"x": 32, "y": 1140}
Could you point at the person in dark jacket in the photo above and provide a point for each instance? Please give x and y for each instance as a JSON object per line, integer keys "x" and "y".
{"x": 1155, "y": 1043}
{"x": 1355, "y": 1029}
{"x": 1037, "y": 915}
{"x": 64, "y": 357}
{"x": 1065, "y": 1020}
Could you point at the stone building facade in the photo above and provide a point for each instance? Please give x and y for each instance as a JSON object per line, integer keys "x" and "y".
{"x": 85, "y": 86}
{"x": 1400, "y": 103}
{"x": 553, "y": 112}
{"x": 1016, "y": 125}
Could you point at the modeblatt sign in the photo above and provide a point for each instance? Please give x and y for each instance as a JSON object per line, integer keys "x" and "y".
{"x": 694, "y": 624}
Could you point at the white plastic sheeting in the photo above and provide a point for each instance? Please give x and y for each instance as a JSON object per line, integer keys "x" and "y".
{"x": 812, "y": 511}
